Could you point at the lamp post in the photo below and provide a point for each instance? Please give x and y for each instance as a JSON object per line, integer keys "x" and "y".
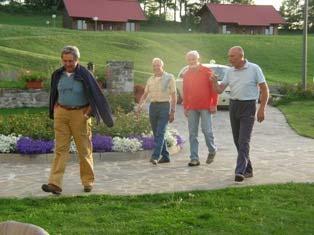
{"x": 304, "y": 61}
{"x": 95, "y": 18}
{"x": 54, "y": 20}
{"x": 48, "y": 22}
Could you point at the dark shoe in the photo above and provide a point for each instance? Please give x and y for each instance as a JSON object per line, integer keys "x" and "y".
{"x": 50, "y": 188}
{"x": 210, "y": 158}
{"x": 239, "y": 178}
{"x": 248, "y": 175}
{"x": 153, "y": 161}
{"x": 194, "y": 163}
{"x": 164, "y": 160}
{"x": 88, "y": 189}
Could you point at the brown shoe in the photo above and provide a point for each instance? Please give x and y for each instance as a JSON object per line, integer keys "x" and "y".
{"x": 210, "y": 157}
{"x": 51, "y": 188}
{"x": 88, "y": 189}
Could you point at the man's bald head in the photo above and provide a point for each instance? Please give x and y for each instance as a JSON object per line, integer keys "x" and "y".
{"x": 238, "y": 50}
{"x": 236, "y": 56}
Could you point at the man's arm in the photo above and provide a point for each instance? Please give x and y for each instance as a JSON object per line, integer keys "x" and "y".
{"x": 263, "y": 101}
{"x": 172, "y": 106}
{"x": 142, "y": 101}
{"x": 219, "y": 88}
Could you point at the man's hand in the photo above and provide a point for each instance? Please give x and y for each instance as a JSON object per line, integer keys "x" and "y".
{"x": 186, "y": 112}
{"x": 260, "y": 114}
{"x": 213, "y": 110}
{"x": 171, "y": 117}
{"x": 138, "y": 111}
{"x": 214, "y": 78}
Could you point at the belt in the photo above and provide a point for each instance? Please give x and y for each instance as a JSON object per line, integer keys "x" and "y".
{"x": 162, "y": 102}
{"x": 242, "y": 100}
{"x": 72, "y": 107}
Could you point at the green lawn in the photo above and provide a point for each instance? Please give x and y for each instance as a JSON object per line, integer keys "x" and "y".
{"x": 38, "y": 48}
{"x": 29, "y": 19}
{"x": 272, "y": 209}
{"x": 300, "y": 115}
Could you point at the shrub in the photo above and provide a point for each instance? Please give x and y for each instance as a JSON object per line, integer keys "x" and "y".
{"x": 125, "y": 125}
{"x": 39, "y": 126}
{"x": 121, "y": 102}
{"x": 36, "y": 126}
{"x": 293, "y": 93}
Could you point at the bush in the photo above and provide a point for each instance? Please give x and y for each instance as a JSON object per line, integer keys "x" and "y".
{"x": 294, "y": 93}
{"x": 121, "y": 102}
{"x": 39, "y": 126}
{"x": 36, "y": 126}
{"x": 126, "y": 124}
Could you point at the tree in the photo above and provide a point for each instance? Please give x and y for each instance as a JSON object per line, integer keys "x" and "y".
{"x": 291, "y": 11}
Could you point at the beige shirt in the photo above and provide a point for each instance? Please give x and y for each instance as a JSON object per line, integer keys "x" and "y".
{"x": 160, "y": 88}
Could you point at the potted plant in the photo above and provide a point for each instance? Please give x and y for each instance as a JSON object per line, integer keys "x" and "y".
{"x": 33, "y": 80}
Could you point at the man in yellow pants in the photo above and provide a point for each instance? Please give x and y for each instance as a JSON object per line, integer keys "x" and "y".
{"x": 74, "y": 98}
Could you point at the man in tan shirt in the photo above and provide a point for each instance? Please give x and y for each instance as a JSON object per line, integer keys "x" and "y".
{"x": 161, "y": 88}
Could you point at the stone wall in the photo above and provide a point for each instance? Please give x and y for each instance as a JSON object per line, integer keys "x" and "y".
{"x": 15, "y": 98}
{"x": 119, "y": 76}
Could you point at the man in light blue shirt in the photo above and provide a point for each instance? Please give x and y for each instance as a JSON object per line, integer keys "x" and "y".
{"x": 246, "y": 82}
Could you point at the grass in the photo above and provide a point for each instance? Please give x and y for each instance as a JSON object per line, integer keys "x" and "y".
{"x": 29, "y": 19}
{"x": 38, "y": 48}
{"x": 300, "y": 116}
{"x": 272, "y": 209}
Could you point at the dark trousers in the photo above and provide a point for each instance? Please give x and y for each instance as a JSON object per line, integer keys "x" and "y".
{"x": 242, "y": 117}
{"x": 159, "y": 116}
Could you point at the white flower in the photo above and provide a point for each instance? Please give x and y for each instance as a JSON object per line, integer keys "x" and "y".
{"x": 126, "y": 145}
{"x": 8, "y": 143}
{"x": 73, "y": 148}
{"x": 170, "y": 139}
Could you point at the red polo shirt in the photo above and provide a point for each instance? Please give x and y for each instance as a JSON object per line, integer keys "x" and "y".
{"x": 198, "y": 91}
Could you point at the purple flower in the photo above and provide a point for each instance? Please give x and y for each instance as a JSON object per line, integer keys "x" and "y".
{"x": 26, "y": 145}
{"x": 180, "y": 140}
{"x": 102, "y": 143}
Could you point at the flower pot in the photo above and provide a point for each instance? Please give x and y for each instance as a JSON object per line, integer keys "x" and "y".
{"x": 34, "y": 84}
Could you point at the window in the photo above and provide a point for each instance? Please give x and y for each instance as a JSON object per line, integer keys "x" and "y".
{"x": 81, "y": 25}
{"x": 130, "y": 26}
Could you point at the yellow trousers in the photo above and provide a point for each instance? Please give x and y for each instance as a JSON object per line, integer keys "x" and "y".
{"x": 68, "y": 123}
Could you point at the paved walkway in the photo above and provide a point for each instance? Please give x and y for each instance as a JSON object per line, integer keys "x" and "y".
{"x": 278, "y": 155}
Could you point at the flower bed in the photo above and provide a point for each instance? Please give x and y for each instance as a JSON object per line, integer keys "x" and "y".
{"x": 101, "y": 143}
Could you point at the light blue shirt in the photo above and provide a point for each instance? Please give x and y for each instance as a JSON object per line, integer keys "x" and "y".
{"x": 71, "y": 92}
{"x": 244, "y": 82}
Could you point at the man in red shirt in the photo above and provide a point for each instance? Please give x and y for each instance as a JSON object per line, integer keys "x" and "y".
{"x": 200, "y": 102}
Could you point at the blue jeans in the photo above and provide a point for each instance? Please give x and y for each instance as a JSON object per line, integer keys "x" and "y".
{"x": 206, "y": 124}
{"x": 159, "y": 116}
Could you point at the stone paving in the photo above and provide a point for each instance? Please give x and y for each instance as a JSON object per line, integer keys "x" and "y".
{"x": 278, "y": 155}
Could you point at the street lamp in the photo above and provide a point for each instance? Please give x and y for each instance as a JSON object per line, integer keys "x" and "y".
{"x": 48, "y": 22}
{"x": 54, "y": 20}
{"x": 95, "y": 18}
{"x": 305, "y": 29}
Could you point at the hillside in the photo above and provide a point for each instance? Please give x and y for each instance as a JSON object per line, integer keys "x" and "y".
{"x": 38, "y": 48}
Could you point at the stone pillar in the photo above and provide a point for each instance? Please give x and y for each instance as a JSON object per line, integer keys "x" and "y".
{"x": 119, "y": 76}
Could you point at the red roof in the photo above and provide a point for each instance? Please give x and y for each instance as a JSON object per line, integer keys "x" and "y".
{"x": 246, "y": 15}
{"x": 105, "y": 10}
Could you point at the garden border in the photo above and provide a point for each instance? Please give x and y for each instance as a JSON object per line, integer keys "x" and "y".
{"x": 98, "y": 157}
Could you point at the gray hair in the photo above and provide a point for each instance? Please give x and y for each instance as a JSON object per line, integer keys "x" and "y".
{"x": 193, "y": 53}
{"x": 239, "y": 49}
{"x": 71, "y": 50}
{"x": 158, "y": 60}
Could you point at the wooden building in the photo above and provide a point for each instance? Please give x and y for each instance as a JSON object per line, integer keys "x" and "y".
{"x": 240, "y": 19}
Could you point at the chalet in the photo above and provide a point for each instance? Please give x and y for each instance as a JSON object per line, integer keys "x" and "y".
{"x": 100, "y": 15}
{"x": 239, "y": 19}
